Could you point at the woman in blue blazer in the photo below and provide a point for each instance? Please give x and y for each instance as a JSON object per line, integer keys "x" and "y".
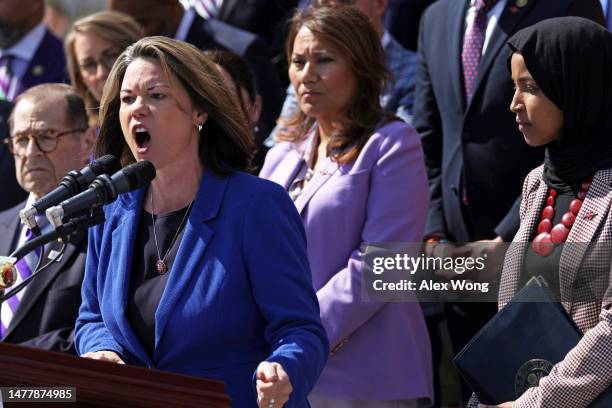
{"x": 204, "y": 272}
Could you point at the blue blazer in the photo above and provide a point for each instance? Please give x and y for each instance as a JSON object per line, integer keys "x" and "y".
{"x": 239, "y": 291}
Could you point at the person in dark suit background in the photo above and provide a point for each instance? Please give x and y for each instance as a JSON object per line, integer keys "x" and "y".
{"x": 606, "y": 5}
{"x": 29, "y": 53}
{"x": 476, "y": 158}
{"x": 402, "y": 20}
{"x": 12, "y": 193}
{"x": 49, "y": 137}
{"x": 169, "y": 18}
{"x": 240, "y": 79}
{"x": 266, "y": 18}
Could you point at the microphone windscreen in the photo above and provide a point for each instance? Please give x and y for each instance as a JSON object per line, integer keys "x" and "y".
{"x": 139, "y": 174}
{"x": 107, "y": 164}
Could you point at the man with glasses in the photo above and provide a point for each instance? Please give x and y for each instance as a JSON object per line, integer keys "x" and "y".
{"x": 49, "y": 137}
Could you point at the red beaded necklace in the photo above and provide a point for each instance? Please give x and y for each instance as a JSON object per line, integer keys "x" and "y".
{"x": 549, "y": 236}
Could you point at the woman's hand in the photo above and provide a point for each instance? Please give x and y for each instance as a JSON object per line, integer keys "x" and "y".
{"x": 104, "y": 355}
{"x": 504, "y": 405}
{"x": 273, "y": 385}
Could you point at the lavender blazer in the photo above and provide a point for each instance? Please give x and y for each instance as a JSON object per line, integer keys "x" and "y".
{"x": 380, "y": 197}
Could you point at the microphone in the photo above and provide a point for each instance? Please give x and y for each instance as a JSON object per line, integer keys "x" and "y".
{"x": 103, "y": 190}
{"x": 72, "y": 183}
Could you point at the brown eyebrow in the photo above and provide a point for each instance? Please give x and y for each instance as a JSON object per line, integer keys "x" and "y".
{"x": 149, "y": 88}
{"x": 523, "y": 80}
{"x": 107, "y": 51}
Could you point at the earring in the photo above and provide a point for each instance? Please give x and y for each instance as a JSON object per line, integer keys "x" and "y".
{"x": 200, "y": 127}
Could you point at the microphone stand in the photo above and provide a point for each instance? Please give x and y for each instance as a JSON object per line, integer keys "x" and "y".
{"x": 37, "y": 232}
{"x": 63, "y": 232}
{"x": 27, "y": 280}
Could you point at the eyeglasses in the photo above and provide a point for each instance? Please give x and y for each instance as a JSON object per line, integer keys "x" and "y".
{"x": 46, "y": 140}
{"x": 90, "y": 66}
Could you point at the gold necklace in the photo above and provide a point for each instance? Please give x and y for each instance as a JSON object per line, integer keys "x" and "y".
{"x": 160, "y": 266}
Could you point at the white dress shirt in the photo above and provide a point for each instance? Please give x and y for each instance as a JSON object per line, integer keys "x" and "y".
{"x": 492, "y": 18}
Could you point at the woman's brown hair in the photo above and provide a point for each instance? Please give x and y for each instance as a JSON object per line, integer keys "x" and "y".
{"x": 116, "y": 28}
{"x": 352, "y": 32}
{"x": 224, "y": 144}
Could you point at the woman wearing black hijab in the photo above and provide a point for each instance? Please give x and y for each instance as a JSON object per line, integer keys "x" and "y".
{"x": 562, "y": 71}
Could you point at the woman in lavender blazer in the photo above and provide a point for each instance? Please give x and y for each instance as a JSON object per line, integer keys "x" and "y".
{"x": 355, "y": 176}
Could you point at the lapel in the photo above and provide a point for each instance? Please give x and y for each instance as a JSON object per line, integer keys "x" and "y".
{"x": 120, "y": 266}
{"x": 9, "y": 230}
{"x": 582, "y": 234}
{"x": 457, "y": 27}
{"x": 515, "y": 257}
{"x": 45, "y": 66}
{"x": 199, "y": 36}
{"x": 191, "y": 250}
{"x": 292, "y": 162}
{"x": 227, "y": 9}
{"x": 39, "y": 285}
{"x": 322, "y": 175}
{"x": 506, "y": 25}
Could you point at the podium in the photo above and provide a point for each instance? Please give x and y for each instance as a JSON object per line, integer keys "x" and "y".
{"x": 105, "y": 384}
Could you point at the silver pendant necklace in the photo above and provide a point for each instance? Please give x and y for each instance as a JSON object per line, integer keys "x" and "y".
{"x": 160, "y": 266}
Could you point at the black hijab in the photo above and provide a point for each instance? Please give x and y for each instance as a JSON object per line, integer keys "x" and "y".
{"x": 570, "y": 58}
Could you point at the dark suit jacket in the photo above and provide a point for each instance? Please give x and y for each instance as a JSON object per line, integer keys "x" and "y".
{"x": 49, "y": 307}
{"x": 47, "y": 65}
{"x": 12, "y": 193}
{"x": 477, "y": 146}
{"x": 266, "y": 18}
{"x": 214, "y": 34}
{"x": 402, "y": 20}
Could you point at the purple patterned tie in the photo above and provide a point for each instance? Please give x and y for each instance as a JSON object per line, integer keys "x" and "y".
{"x": 207, "y": 8}
{"x": 5, "y": 76}
{"x": 472, "y": 45}
{"x": 25, "y": 266}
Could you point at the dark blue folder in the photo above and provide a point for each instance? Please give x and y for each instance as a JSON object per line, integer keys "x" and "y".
{"x": 519, "y": 346}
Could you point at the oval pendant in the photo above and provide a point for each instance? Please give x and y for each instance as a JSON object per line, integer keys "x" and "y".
{"x": 161, "y": 267}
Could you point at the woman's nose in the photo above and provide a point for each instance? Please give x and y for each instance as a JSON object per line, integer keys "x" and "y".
{"x": 139, "y": 107}
{"x": 309, "y": 73}
{"x": 102, "y": 72}
{"x": 515, "y": 103}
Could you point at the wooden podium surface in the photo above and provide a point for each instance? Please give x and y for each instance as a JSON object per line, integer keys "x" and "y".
{"x": 104, "y": 384}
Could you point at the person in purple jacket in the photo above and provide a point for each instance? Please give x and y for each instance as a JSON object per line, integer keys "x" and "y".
{"x": 355, "y": 175}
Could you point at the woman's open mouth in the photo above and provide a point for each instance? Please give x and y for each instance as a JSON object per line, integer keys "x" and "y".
{"x": 143, "y": 139}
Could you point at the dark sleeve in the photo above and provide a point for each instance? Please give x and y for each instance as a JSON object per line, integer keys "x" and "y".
{"x": 281, "y": 11}
{"x": 590, "y": 9}
{"x": 508, "y": 227}
{"x": 61, "y": 340}
{"x": 402, "y": 20}
{"x": 426, "y": 120}
{"x": 268, "y": 85}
